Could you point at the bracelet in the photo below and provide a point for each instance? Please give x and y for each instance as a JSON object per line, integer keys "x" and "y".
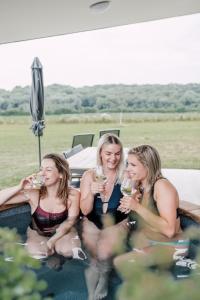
{"x": 130, "y": 224}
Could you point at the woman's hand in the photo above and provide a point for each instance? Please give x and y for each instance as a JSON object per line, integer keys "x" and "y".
{"x": 128, "y": 203}
{"x": 97, "y": 187}
{"x": 50, "y": 247}
{"x": 26, "y": 183}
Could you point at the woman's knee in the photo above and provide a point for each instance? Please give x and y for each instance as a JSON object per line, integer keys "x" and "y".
{"x": 35, "y": 249}
{"x": 90, "y": 236}
{"x": 117, "y": 261}
{"x": 123, "y": 260}
{"x": 63, "y": 250}
{"x": 104, "y": 250}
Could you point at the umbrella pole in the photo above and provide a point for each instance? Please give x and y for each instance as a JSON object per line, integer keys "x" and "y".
{"x": 39, "y": 147}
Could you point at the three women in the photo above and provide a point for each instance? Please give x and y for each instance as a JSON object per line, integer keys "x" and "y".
{"x": 55, "y": 209}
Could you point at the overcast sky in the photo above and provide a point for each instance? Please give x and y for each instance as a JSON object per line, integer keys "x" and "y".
{"x": 164, "y": 51}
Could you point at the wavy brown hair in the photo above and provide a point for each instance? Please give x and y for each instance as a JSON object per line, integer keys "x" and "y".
{"x": 63, "y": 169}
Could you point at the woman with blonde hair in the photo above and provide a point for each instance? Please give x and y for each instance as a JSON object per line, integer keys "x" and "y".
{"x": 54, "y": 208}
{"x": 157, "y": 217}
{"x": 103, "y": 224}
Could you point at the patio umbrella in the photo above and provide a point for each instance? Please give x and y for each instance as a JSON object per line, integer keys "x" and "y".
{"x": 37, "y": 102}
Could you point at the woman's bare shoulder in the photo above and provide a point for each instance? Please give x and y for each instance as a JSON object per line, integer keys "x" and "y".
{"x": 164, "y": 183}
{"x": 165, "y": 189}
{"x": 88, "y": 175}
{"x": 34, "y": 196}
{"x": 73, "y": 192}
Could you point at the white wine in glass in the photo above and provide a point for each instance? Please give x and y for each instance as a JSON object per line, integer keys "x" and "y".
{"x": 100, "y": 177}
{"x": 38, "y": 181}
{"x": 127, "y": 187}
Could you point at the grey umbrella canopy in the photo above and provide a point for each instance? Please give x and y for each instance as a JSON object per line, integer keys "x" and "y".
{"x": 37, "y": 101}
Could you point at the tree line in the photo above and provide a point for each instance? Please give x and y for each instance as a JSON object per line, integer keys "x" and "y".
{"x": 61, "y": 99}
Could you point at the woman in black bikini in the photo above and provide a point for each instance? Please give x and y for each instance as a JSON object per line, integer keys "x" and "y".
{"x": 54, "y": 208}
{"x": 103, "y": 224}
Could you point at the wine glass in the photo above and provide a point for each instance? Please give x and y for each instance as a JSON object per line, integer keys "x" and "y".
{"x": 127, "y": 189}
{"x": 38, "y": 181}
{"x": 127, "y": 186}
{"x": 100, "y": 177}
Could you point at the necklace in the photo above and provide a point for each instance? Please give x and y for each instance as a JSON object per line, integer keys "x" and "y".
{"x": 109, "y": 185}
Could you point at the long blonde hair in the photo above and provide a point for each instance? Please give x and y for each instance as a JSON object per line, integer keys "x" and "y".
{"x": 63, "y": 169}
{"x": 107, "y": 139}
{"x": 150, "y": 159}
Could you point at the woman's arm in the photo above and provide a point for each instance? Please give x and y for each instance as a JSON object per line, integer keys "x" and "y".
{"x": 15, "y": 194}
{"x": 73, "y": 213}
{"x": 88, "y": 189}
{"x": 167, "y": 202}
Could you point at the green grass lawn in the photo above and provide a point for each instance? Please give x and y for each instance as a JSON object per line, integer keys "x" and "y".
{"x": 178, "y": 142}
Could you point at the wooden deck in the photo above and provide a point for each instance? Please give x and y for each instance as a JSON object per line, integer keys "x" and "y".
{"x": 8, "y": 206}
